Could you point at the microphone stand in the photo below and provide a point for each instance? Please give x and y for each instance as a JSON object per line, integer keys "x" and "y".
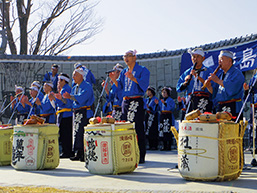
{"x": 100, "y": 97}
{"x": 2, "y": 111}
{"x": 5, "y": 98}
{"x": 253, "y": 162}
{"x": 15, "y": 108}
{"x": 249, "y": 92}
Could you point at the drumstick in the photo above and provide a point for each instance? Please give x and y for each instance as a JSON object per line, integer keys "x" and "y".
{"x": 215, "y": 72}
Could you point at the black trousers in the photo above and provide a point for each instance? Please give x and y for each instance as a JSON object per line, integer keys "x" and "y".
{"x": 66, "y": 135}
{"x": 133, "y": 111}
{"x": 79, "y": 122}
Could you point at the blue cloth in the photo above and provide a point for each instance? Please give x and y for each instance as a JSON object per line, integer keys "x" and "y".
{"x": 20, "y": 109}
{"x": 84, "y": 96}
{"x": 88, "y": 76}
{"x": 233, "y": 87}
{"x": 189, "y": 88}
{"x": 168, "y": 106}
{"x": 129, "y": 87}
{"x": 47, "y": 108}
{"x": 107, "y": 109}
{"x": 36, "y": 108}
{"x": 48, "y": 77}
{"x": 151, "y": 105}
{"x": 61, "y": 105}
{"x": 254, "y": 89}
{"x": 115, "y": 95}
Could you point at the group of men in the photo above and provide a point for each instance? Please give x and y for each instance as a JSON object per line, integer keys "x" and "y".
{"x": 58, "y": 105}
{"x": 224, "y": 90}
{"x": 73, "y": 106}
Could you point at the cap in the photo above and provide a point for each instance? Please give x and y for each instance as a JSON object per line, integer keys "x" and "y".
{"x": 198, "y": 51}
{"x": 76, "y": 65}
{"x": 226, "y": 53}
{"x": 55, "y": 66}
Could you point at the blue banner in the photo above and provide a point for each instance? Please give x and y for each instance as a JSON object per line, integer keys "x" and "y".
{"x": 244, "y": 58}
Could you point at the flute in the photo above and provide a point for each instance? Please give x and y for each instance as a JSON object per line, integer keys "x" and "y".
{"x": 215, "y": 72}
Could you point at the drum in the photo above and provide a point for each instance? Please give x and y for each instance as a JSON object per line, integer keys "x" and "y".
{"x": 5, "y": 144}
{"x": 111, "y": 148}
{"x": 35, "y": 147}
{"x": 210, "y": 151}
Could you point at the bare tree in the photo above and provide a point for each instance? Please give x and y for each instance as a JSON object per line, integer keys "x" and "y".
{"x": 49, "y": 27}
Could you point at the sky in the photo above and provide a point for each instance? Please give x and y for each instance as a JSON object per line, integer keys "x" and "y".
{"x": 156, "y": 25}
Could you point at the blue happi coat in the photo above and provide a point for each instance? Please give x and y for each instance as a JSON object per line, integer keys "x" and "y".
{"x": 233, "y": 87}
{"x": 129, "y": 87}
{"x": 47, "y": 107}
{"x": 168, "y": 106}
{"x": 61, "y": 105}
{"x": 115, "y": 96}
{"x": 84, "y": 96}
{"x": 189, "y": 88}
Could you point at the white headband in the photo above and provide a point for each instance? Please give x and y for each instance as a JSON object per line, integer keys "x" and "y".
{"x": 80, "y": 70}
{"x": 49, "y": 84}
{"x": 35, "y": 84}
{"x": 64, "y": 78}
{"x": 131, "y": 51}
{"x": 18, "y": 88}
{"x": 33, "y": 88}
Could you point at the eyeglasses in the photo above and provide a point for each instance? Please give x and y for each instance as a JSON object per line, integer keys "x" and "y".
{"x": 128, "y": 55}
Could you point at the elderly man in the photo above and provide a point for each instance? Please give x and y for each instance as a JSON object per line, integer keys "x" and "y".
{"x": 114, "y": 96}
{"x": 88, "y": 75}
{"x": 200, "y": 99}
{"x": 83, "y": 97}
{"x": 133, "y": 81}
{"x": 228, "y": 87}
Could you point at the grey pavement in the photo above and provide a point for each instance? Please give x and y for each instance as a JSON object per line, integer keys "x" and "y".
{"x": 155, "y": 175}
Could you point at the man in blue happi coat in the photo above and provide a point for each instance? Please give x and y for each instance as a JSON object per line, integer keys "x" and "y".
{"x": 47, "y": 106}
{"x": 83, "y": 97}
{"x": 228, "y": 89}
{"x": 18, "y": 104}
{"x": 52, "y": 76}
{"x": 88, "y": 75}
{"x": 114, "y": 96}
{"x": 199, "y": 99}
{"x": 133, "y": 81}
{"x": 64, "y": 115}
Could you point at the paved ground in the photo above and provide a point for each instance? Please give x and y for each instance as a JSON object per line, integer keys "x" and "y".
{"x": 153, "y": 176}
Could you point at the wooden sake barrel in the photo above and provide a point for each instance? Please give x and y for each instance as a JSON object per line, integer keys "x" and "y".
{"x": 35, "y": 147}
{"x": 210, "y": 151}
{"x": 111, "y": 148}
